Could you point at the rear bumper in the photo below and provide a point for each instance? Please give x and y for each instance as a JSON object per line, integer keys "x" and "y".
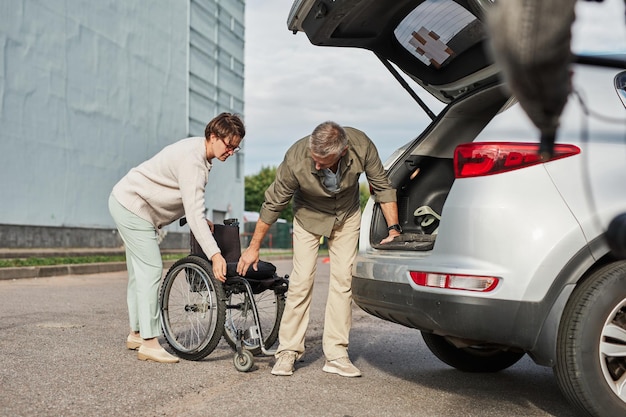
{"x": 505, "y": 322}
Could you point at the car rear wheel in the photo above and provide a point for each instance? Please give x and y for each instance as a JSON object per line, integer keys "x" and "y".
{"x": 472, "y": 358}
{"x": 591, "y": 345}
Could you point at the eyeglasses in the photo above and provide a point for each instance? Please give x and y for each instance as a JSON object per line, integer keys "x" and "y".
{"x": 231, "y": 148}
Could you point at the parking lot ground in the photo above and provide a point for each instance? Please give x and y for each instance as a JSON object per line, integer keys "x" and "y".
{"x": 62, "y": 353}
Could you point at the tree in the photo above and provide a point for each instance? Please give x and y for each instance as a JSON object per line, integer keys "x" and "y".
{"x": 255, "y": 186}
{"x": 364, "y": 194}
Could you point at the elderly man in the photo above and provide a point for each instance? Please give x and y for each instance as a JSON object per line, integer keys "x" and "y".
{"x": 321, "y": 172}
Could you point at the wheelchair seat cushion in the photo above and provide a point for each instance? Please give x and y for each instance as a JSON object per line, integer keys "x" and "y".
{"x": 265, "y": 270}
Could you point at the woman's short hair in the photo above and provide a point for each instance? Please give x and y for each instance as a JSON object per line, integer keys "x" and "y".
{"x": 225, "y": 125}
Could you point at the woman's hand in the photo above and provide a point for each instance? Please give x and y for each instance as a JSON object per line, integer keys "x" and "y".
{"x": 219, "y": 267}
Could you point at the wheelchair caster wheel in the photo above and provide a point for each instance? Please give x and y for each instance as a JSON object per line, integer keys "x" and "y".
{"x": 243, "y": 361}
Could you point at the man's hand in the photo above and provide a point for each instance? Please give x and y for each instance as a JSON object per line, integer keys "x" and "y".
{"x": 249, "y": 257}
{"x": 392, "y": 234}
{"x": 219, "y": 267}
{"x": 390, "y": 211}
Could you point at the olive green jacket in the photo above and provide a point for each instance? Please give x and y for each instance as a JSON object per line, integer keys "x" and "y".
{"x": 316, "y": 208}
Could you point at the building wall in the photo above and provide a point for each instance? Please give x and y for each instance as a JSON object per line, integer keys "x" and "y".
{"x": 216, "y": 84}
{"x": 90, "y": 89}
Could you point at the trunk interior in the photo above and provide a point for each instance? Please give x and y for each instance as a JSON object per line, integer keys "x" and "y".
{"x": 424, "y": 174}
{"x": 421, "y": 196}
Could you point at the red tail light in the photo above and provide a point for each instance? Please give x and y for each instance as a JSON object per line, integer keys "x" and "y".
{"x": 488, "y": 158}
{"x": 454, "y": 281}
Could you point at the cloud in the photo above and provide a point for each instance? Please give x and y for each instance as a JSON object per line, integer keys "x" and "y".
{"x": 599, "y": 26}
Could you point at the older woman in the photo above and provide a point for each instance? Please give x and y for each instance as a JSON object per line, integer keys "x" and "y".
{"x": 154, "y": 194}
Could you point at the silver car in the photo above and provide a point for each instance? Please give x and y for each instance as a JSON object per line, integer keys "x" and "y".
{"x": 502, "y": 254}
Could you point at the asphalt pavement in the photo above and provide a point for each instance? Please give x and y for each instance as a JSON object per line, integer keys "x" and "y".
{"x": 62, "y": 353}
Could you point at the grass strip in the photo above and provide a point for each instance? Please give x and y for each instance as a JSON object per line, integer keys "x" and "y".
{"x": 47, "y": 261}
{"x": 70, "y": 260}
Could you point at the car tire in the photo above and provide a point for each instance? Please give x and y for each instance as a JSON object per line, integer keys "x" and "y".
{"x": 473, "y": 358}
{"x": 591, "y": 344}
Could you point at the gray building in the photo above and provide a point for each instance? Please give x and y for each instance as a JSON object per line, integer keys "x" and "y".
{"x": 89, "y": 89}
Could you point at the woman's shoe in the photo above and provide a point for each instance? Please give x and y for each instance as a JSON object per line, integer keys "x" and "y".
{"x": 157, "y": 355}
{"x": 133, "y": 341}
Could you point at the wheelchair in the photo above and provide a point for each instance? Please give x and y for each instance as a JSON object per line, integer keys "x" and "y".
{"x": 197, "y": 310}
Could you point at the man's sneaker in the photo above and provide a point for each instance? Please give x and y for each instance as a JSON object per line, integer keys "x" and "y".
{"x": 341, "y": 366}
{"x": 284, "y": 363}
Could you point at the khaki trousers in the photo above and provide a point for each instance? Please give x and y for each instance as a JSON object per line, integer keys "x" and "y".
{"x": 342, "y": 247}
{"x": 145, "y": 268}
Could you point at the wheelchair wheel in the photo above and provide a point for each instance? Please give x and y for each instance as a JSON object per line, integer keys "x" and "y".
{"x": 243, "y": 361}
{"x": 192, "y": 308}
{"x": 239, "y": 316}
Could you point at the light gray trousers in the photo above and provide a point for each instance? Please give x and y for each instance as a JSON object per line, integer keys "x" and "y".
{"x": 145, "y": 268}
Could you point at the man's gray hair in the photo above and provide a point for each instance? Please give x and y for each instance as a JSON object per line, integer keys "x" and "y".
{"x": 327, "y": 139}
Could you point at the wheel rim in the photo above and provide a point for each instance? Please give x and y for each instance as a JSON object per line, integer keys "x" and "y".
{"x": 613, "y": 350}
{"x": 189, "y": 310}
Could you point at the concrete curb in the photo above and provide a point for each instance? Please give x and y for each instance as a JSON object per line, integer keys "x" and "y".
{"x": 59, "y": 270}
{"x": 9, "y": 253}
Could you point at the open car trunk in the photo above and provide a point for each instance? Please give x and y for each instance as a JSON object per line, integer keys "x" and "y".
{"x": 424, "y": 173}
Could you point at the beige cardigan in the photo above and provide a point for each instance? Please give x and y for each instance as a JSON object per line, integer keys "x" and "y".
{"x": 171, "y": 185}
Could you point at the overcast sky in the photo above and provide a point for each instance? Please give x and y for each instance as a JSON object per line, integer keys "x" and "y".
{"x": 292, "y": 85}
